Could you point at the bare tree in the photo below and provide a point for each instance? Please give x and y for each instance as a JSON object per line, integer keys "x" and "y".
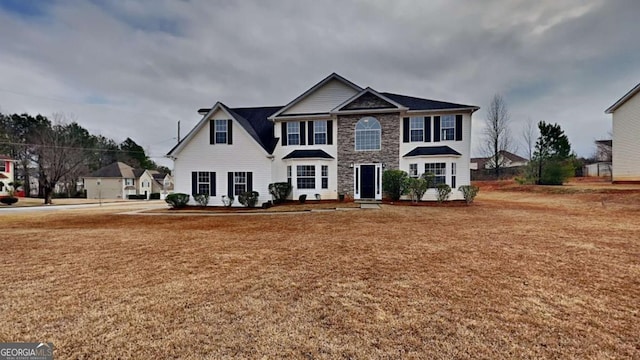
{"x": 529, "y": 135}
{"x": 59, "y": 152}
{"x": 497, "y": 133}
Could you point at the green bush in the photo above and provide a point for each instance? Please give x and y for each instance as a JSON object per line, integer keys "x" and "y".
{"x": 394, "y": 183}
{"x": 177, "y": 200}
{"x": 227, "y": 201}
{"x": 201, "y": 199}
{"x": 136, "y": 197}
{"x": 469, "y": 192}
{"x": 9, "y": 200}
{"x": 280, "y": 191}
{"x": 444, "y": 191}
{"x": 556, "y": 172}
{"x": 302, "y": 198}
{"x": 416, "y": 188}
{"x": 154, "y": 196}
{"x": 430, "y": 178}
{"x": 248, "y": 198}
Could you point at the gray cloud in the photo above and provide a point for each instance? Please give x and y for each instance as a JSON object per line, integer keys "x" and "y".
{"x": 134, "y": 68}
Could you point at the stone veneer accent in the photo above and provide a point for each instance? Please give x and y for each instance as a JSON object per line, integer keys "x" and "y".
{"x": 389, "y": 153}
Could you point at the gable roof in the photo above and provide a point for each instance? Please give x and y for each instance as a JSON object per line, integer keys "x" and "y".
{"x": 253, "y": 119}
{"x": 386, "y": 102}
{"x": 414, "y": 103}
{"x": 432, "y": 151}
{"x": 315, "y": 87}
{"x": 623, "y": 99}
{"x": 115, "y": 170}
{"x": 307, "y": 154}
{"x": 481, "y": 161}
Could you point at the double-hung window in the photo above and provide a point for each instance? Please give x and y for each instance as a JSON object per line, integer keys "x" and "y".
{"x": 221, "y": 131}
{"x": 129, "y": 182}
{"x": 453, "y": 175}
{"x": 325, "y": 176}
{"x": 306, "y": 176}
{"x": 289, "y": 174}
{"x": 413, "y": 170}
{"x": 448, "y": 127}
{"x": 293, "y": 133}
{"x": 320, "y": 132}
{"x": 239, "y": 182}
{"x": 3, "y": 166}
{"x": 416, "y": 128}
{"x": 438, "y": 170}
{"x": 204, "y": 182}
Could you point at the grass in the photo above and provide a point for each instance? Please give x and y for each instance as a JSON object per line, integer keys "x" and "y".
{"x": 516, "y": 275}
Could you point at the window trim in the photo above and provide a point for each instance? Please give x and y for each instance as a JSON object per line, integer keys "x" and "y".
{"x": 323, "y": 132}
{"x": 236, "y": 183}
{"x": 324, "y": 176}
{"x": 411, "y": 173}
{"x": 443, "y": 128}
{"x": 306, "y": 170}
{"x": 290, "y": 125}
{"x": 439, "y": 173}
{"x": 420, "y": 127}
{"x": 202, "y": 182}
{"x": 369, "y": 130}
{"x": 218, "y": 131}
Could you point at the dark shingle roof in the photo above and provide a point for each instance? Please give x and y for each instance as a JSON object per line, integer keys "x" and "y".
{"x": 115, "y": 170}
{"x": 414, "y": 103}
{"x": 306, "y": 154}
{"x": 254, "y": 120}
{"x": 431, "y": 151}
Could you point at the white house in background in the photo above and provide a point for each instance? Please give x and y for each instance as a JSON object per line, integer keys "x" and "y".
{"x": 335, "y": 138}
{"x": 7, "y": 174}
{"x": 626, "y": 137}
{"x": 505, "y": 159}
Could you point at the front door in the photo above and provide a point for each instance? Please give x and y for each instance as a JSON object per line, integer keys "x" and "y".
{"x": 367, "y": 181}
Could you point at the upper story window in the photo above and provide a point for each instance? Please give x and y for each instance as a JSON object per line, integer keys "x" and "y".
{"x": 128, "y": 182}
{"x": 221, "y": 131}
{"x": 293, "y": 133}
{"x": 448, "y": 127}
{"x": 368, "y": 133}
{"x": 416, "y": 129}
{"x": 320, "y": 132}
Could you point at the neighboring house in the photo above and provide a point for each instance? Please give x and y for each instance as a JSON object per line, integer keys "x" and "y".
{"x": 164, "y": 184}
{"x": 7, "y": 174}
{"x": 114, "y": 181}
{"x": 335, "y": 138}
{"x": 505, "y": 159}
{"x": 146, "y": 182}
{"x": 601, "y": 167}
{"x": 626, "y": 135}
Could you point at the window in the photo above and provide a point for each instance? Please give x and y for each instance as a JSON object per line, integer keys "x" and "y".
{"x": 3, "y": 166}
{"x": 289, "y": 174}
{"x": 320, "y": 132}
{"x": 448, "y": 127}
{"x": 239, "y": 182}
{"x": 368, "y": 132}
{"x": 204, "y": 181}
{"x": 306, "y": 176}
{"x": 438, "y": 170}
{"x": 221, "y": 131}
{"x": 416, "y": 128}
{"x": 325, "y": 176}
{"x": 453, "y": 175}
{"x": 293, "y": 133}
{"x": 128, "y": 182}
{"x": 413, "y": 170}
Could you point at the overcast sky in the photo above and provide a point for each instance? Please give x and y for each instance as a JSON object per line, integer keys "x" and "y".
{"x": 134, "y": 68}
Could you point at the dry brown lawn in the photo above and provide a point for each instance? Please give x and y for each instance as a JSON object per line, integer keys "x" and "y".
{"x": 516, "y": 275}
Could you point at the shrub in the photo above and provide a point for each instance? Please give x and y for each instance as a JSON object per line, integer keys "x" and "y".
{"x": 227, "y": 200}
{"x": 248, "y": 198}
{"x": 302, "y": 198}
{"x": 416, "y": 188}
{"x": 430, "y": 178}
{"x": 341, "y": 197}
{"x": 444, "y": 191}
{"x": 9, "y": 200}
{"x": 154, "y": 196}
{"x": 394, "y": 183}
{"x": 201, "y": 199}
{"x": 177, "y": 200}
{"x": 267, "y": 204}
{"x": 280, "y": 191}
{"x": 469, "y": 192}
{"x": 136, "y": 197}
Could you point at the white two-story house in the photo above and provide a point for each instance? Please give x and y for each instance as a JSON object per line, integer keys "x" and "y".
{"x": 335, "y": 138}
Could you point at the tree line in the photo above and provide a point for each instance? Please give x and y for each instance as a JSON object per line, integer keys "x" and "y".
{"x": 58, "y": 150}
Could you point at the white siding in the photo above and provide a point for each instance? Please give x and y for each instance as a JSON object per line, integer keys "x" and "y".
{"x": 463, "y": 176}
{"x": 243, "y": 155}
{"x": 626, "y": 141}
{"x": 109, "y": 188}
{"x": 324, "y": 99}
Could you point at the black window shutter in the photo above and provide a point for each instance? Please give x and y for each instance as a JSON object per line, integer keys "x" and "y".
{"x": 194, "y": 182}
{"x": 302, "y": 133}
{"x": 330, "y": 132}
{"x": 427, "y": 128}
{"x": 310, "y": 133}
{"x": 436, "y": 128}
{"x": 230, "y": 184}
{"x": 212, "y": 132}
{"x": 229, "y": 132}
{"x": 458, "y": 127}
{"x": 283, "y": 127}
{"x": 249, "y": 181}
{"x": 405, "y": 130}
{"x": 212, "y": 183}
